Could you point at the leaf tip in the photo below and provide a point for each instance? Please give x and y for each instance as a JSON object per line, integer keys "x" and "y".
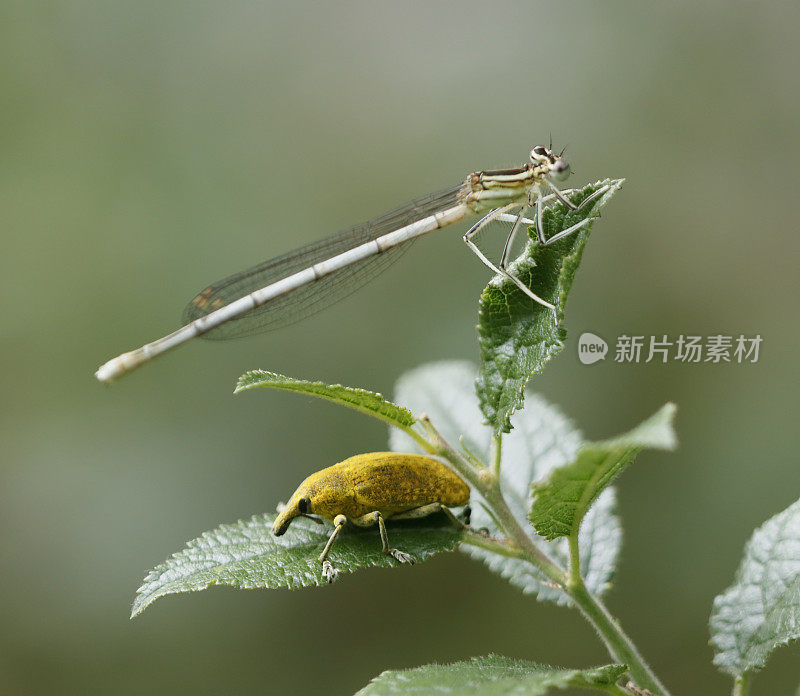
{"x": 138, "y": 606}
{"x": 666, "y": 437}
{"x": 248, "y": 379}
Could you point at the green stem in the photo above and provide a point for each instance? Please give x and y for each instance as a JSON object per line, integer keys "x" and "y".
{"x": 489, "y": 485}
{"x": 574, "y": 558}
{"x": 409, "y": 430}
{"x": 741, "y": 685}
{"x": 498, "y": 451}
{"x": 498, "y": 546}
{"x": 473, "y": 458}
{"x": 515, "y": 532}
{"x": 619, "y": 645}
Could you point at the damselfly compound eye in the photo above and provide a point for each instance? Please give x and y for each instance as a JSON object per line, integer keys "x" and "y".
{"x": 560, "y": 169}
{"x": 538, "y": 153}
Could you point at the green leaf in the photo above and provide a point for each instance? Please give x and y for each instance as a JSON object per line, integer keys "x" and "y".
{"x": 247, "y": 555}
{"x": 518, "y": 336}
{"x": 371, "y": 403}
{"x": 492, "y": 675}
{"x": 542, "y": 439}
{"x": 564, "y": 498}
{"x": 761, "y": 610}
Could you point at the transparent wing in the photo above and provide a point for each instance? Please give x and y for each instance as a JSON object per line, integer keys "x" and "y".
{"x": 316, "y": 296}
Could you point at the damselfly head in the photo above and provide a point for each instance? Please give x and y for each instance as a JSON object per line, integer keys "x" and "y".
{"x": 557, "y": 165}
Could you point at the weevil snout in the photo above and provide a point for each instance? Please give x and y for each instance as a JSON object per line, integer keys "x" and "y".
{"x": 297, "y": 506}
{"x": 280, "y": 525}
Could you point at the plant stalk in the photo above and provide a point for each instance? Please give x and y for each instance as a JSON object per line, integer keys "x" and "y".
{"x": 494, "y": 545}
{"x": 574, "y": 559}
{"x": 489, "y": 486}
{"x": 515, "y": 532}
{"x": 619, "y": 645}
{"x": 741, "y": 685}
{"x": 498, "y": 451}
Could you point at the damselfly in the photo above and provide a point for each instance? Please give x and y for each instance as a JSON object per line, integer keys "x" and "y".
{"x": 297, "y": 284}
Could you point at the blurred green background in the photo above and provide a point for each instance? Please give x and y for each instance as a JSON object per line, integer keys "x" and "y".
{"x": 149, "y": 148}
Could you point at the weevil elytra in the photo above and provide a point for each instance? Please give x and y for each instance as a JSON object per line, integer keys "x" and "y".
{"x": 369, "y": 488}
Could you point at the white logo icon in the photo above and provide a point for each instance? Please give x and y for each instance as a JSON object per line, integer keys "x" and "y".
{"x": 591, "y": 348}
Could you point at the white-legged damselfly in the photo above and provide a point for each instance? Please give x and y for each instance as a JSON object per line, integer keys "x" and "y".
{"x": 302, "y": 282}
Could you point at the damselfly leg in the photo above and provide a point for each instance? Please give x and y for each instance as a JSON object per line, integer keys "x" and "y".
{"x": 574, "y": 228}
{"x": 503, "y": 214}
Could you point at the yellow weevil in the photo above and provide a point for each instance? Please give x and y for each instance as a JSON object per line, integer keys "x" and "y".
{"x": 369, "y": 488}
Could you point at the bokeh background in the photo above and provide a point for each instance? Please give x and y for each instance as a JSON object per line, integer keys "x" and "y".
{"x": 149, "y": 148}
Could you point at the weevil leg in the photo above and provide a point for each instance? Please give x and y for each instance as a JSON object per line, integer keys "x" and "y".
{"x": 432, "y": 508}
{"x": 376, "y": 516}
{"x": 462, "y": 523}
{"x": 328, "y": 571}
{"x": 417, "y": 512}
{"x": 459, "y": 524}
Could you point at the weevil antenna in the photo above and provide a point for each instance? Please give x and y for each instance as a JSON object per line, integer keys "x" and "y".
{"x": 311, "y": 517}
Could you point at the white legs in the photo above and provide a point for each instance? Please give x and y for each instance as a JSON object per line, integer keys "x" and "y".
{"x": 503, "y": 215}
